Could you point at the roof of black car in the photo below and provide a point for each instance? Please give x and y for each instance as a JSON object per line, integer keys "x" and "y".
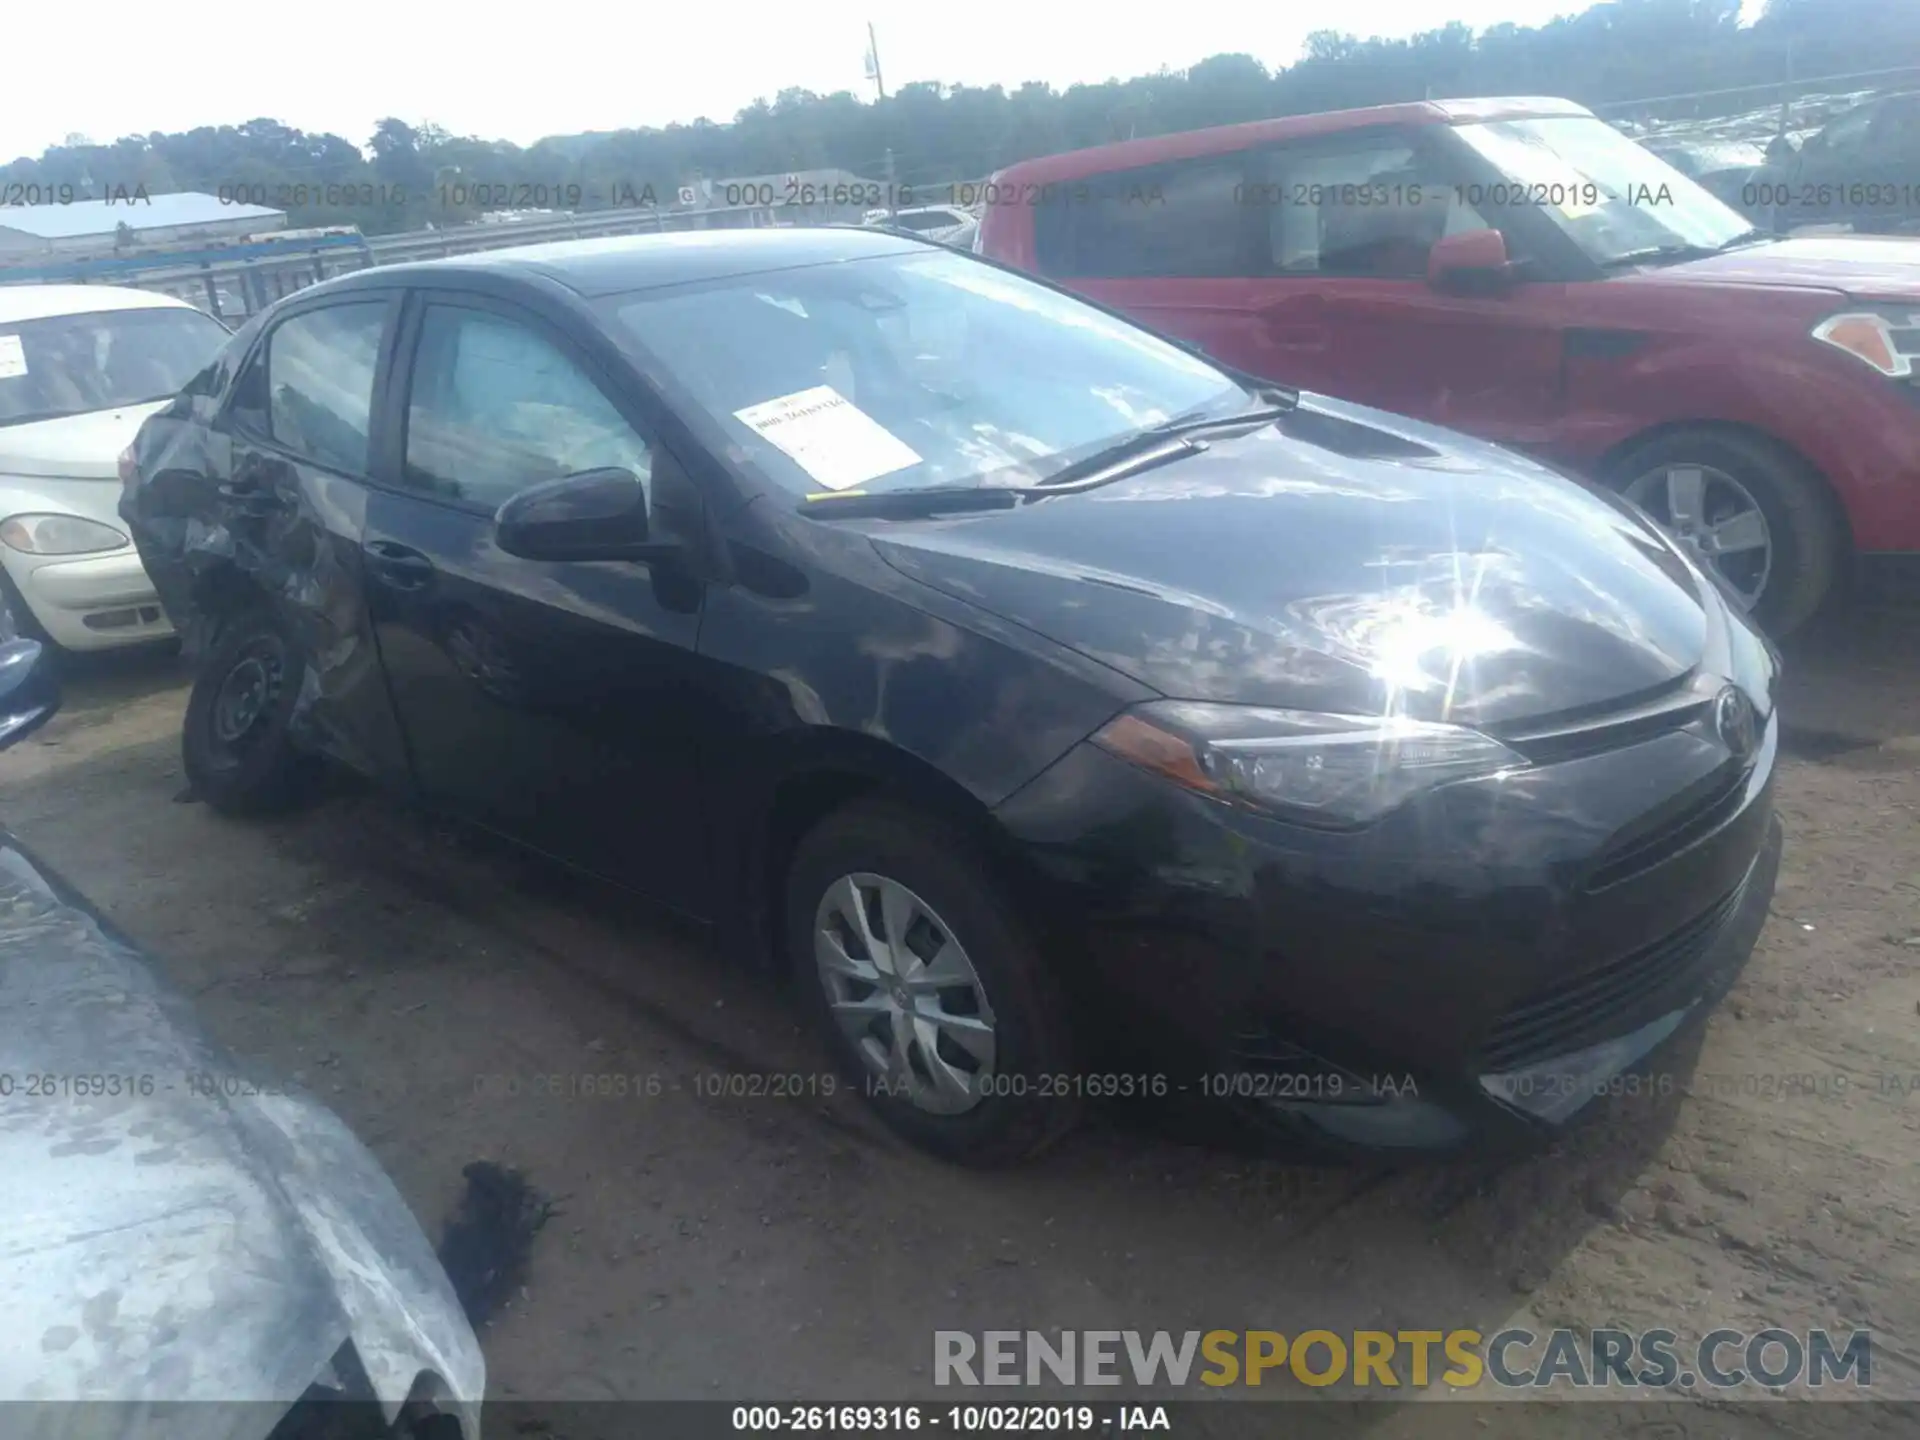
{"x": 617, "y": 264}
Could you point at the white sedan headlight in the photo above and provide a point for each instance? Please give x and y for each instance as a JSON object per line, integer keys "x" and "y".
{"x": 60, "y": 535}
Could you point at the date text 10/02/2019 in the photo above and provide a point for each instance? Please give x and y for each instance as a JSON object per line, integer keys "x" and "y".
{"x": 951, "y": 1419}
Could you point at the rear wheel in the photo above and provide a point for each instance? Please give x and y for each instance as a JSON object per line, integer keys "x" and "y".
{"x": 239, "y": 755}
{"x": 1747, "y": 511}
{"x": 927, "y": 987}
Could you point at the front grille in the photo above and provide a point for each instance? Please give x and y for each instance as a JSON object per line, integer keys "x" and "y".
{"x": 1693, "y": 814}
{"x": 1602, "y": 1003}
{"x": 1906, "y": 338}
{"x": 1614, "y": 725}
{"x": 122, "y": 619}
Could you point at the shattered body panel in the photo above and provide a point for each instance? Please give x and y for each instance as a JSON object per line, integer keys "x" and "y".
{"x": 177, "y": 1233}
{"x": 221, "y": 525}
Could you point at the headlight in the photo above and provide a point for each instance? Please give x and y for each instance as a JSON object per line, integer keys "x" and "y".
{"x": 1866, "y": 336}
{"x": 1754, "y": 662}
{"x": 59, "y": 535}
{"x": 1334, "y": 771}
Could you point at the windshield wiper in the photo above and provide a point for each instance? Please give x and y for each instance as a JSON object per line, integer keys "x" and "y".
{"x": 1155, "y": 445}
{"x": 1661, "y": 252}
{"x": 1751, "y": 235}
{"x": 967, "y": 499}
{"x": 1146, "y": 446}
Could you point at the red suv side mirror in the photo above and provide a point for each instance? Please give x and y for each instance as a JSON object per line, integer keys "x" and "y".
{"x": 1473, "y": 260}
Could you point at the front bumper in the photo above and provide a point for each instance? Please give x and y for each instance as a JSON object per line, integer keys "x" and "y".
{"x": 1474, "y": 970}
{"x": 90, "y": 602}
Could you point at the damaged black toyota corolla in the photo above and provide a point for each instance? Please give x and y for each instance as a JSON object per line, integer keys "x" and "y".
{"x": 1074, "y": 718}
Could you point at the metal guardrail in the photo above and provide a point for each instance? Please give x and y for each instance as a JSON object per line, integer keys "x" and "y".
{"x": 1856, "y": 80}
{"x": 234, "y": 282}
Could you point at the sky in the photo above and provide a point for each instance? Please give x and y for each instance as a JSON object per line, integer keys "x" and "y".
{"x": 565, "y": 66}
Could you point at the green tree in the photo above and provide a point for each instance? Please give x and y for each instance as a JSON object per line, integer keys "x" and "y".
{"x": 1619, "y": 51}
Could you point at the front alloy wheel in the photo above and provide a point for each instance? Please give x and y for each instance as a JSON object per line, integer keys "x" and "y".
{"x": 899, "y": 925}
{"x": 1717, "y": 520}
{"x": 903, "y": 991}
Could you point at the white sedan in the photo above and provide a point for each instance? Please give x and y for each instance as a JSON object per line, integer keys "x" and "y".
{"x": 80, "y": 367}
{"x": 948, "y": 224}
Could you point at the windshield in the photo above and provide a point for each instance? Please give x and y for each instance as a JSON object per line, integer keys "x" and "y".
{"x": 70, "y": 364}
{"x": 910, "y": 371}
{"x": 1613, "y": 197}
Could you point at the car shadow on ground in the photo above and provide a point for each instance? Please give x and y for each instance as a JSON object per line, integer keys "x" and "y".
{"x": 1852, "y": 684}
{"x": 97, "y": 683}
{"x": 1360, "y": 1223}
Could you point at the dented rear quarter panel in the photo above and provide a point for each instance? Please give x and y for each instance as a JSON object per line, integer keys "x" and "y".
{"x": 224, "y": 520}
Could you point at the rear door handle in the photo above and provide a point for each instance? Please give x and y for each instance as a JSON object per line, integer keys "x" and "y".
{"x": 398, "y": 567}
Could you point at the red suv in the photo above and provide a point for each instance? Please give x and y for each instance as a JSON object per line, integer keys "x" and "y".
{"x": 1520, "y": 270}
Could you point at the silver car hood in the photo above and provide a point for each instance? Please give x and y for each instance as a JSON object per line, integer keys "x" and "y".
{"x": 169, "y": 1234}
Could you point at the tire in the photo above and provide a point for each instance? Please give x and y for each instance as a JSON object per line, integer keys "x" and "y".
{"x": 1803, "y": 527}
{"x": 1018, "y": 1107}
{"x": 239, "y": 754}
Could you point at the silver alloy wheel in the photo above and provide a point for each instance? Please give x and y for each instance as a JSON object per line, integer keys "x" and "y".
{"x": 1716, "y": 518}
{"x": 902, "y": 990}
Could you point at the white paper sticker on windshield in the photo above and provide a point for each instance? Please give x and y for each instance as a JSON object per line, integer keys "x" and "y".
{"x": 13, "y": 360}
{"x": 829, "y": 437}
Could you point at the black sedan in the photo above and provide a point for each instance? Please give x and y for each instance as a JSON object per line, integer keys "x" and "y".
{"x": 1862, "y": 168}
{"x": 1074, "y": 717}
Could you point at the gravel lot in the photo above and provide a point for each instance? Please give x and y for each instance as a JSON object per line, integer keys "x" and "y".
{"x": 780, "y": 1249}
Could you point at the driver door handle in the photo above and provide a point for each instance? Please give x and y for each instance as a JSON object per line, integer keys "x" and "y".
{"x": 399, "y": 567}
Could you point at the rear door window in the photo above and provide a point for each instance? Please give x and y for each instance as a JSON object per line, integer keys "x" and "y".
{"x": 310, "y": 387}
{"x": 1357, "y": 206}
{"x": 1186, "y": 219}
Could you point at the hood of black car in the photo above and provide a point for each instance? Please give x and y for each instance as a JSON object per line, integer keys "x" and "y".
{"x": 1344, "y": 560}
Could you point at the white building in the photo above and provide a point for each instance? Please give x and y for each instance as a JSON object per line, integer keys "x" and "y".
{"x": 158, "y": 222}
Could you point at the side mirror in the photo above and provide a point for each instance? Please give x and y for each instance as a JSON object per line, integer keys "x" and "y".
{"x": 589, "y": 515}
{"x": 1472, "y": 262}
{"x": 29, "y": 689}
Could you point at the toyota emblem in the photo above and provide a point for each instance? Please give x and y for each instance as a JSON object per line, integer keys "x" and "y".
{"x": 1733, "y": 717}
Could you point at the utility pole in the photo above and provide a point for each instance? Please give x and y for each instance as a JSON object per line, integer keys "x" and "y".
{"x": 880, "y": 89}
{"x": 1786, "y": 93}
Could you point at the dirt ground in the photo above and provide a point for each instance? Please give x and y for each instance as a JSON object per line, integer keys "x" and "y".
{"x": 760, "y": 1248}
